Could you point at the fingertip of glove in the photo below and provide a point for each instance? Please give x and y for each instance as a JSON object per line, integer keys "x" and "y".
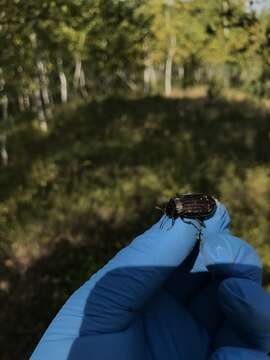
{"x": 226, "y": 248}
{"x": 230, "y": 256}
{"x": 220, "y": 220}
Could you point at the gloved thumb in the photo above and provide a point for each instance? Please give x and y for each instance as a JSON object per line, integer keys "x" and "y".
{"x": 246, "y": 306}
{"x": 229, "y": 256}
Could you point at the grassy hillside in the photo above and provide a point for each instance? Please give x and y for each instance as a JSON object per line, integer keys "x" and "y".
{"x": 72, "y": 197}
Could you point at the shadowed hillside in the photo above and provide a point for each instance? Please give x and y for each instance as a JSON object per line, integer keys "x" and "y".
{"x": 72, "y": 197}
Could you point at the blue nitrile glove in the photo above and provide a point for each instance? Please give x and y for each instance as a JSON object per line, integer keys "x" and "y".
{"x": 157, "y": 299}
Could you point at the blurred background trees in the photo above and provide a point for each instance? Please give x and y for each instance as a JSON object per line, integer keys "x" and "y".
{"x": 54, "y": 51}
{"x": 107, "y": 108}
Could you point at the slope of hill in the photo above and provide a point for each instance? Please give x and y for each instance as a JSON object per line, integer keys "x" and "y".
{"x": 70, "y": 198}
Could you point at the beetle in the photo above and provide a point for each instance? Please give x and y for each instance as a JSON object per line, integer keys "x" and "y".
{"x": 198, "y": 206}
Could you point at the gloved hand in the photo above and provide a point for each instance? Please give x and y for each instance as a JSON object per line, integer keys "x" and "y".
{"x": 168, "y": 296}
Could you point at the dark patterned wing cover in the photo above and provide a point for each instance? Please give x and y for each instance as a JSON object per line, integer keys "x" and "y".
{"x": 193, "y": 206}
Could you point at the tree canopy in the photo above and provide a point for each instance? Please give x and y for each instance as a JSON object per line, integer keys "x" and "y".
{"x": 55, "y": 50}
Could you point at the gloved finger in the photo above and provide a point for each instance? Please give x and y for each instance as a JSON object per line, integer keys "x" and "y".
{"x": 128, "y": 344}
{"x": 136, "y": 272}
{"x": 226, "y": 255}
{"x": 238, "y": 353}
{"x": 246, "y": 306}
{"x": 184, "y": 284}
{"x": 111, "y": 298}
{"x": 196, "y": 292}
{"x": 191, "y": 284}
{"x": 192, "y": 275}
{"x": 219, "y": 222}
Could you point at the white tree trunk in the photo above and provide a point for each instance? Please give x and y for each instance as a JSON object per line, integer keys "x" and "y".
{"x": 153, "y": 78}
{"x": 150, "y": 78}
{"x": 146, "y": 79}
{"x": 3, "y": 150}
{"x": 21, "y": 102}
{"x": 4, "y": 102}
{"x": 40, "y": 111}
{"x": 198, "y": 75}
{"x": 3, "y": 137}
{"x": 181, "y": 72}
{"x": 79, "y": 78}
{"x": 77, "y": 73}
{"x": 226, "y": 30}
{"x": 83, "y": 84}
{"x": 63, "y": 81}
{"x": 168, "y": 74}
{"x": 170, "y": 51}
{"x": 63, "y": 86}
{"x": 44, "y": 87}
{"x": 26, "y": 100}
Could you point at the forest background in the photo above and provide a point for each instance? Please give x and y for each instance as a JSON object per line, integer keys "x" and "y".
{"x": 108, "y": 108}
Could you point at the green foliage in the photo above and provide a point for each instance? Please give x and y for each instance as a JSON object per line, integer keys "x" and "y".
{"x": 103, "y": 47}
{"x": 107, "y": 41}
{"x": 121, "y": 150}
